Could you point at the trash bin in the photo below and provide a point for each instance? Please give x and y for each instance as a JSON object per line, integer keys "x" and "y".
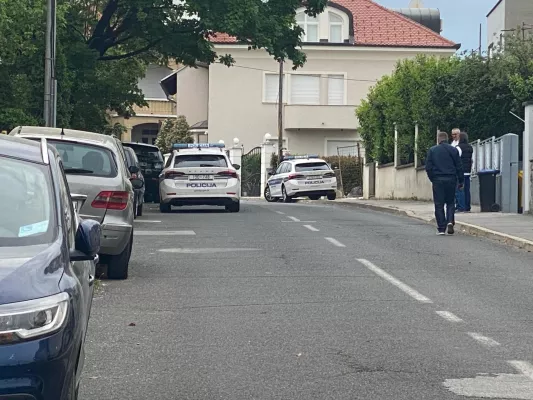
{"x": 487, "y": 190}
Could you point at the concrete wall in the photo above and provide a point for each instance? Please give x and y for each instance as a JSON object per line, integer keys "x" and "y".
{"x": 531, "y": 187}
{"x": 192, "y": 96}
{"x": 236, "y": 107}
{"x": 405, "y": 182}
{"x": 518, "y": 12}
{"x": 496, "y": 23}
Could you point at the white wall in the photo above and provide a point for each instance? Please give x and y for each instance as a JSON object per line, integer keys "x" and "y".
{"x": 495, "y": 24}
{"x": 192, "y": 95}
{"x": 402, "y": 183}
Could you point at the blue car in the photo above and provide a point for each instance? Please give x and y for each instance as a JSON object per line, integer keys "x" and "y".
{"x": 47, "y": 267}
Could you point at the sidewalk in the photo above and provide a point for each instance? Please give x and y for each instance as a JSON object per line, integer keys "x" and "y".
{"x": 512, "y": 229}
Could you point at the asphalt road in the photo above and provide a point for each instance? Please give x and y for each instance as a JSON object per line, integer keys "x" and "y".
{"x": 311, "y": 301}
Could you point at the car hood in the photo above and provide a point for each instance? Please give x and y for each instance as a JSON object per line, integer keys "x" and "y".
{"x": 30, "y": 272}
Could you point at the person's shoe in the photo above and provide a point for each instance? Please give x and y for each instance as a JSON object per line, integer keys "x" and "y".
{"x": 440, "y": 233}
{"x": 451, "y": 230}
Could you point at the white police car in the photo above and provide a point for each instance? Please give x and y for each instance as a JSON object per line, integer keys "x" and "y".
{"x": 199, "y": 174}
{"x": 301, "y": 176}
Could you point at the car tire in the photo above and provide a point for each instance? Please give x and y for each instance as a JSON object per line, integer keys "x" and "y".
{"x": 117, "y": 267}
{"x": 268, "y": 196}
{"x": 286, "y": 198}
{"x": 234, "y": 207}
{"x": 140, "y": 210}
{"x": 165, "y": 208}
{"x": 314, "y": 197}
{"x": 332, "y": 196}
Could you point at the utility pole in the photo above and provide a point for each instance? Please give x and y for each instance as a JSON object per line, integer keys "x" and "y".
{"x": 280, "y": 112}
{"x": 480, "y": 34}
{"x": 50, "y": 97}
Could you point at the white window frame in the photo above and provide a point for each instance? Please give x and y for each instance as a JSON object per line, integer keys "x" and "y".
{"x": 330, "y": 24}
{"x": 321, "y": 75}
{"x": 306, "y": 23}
{"x": 285, "y": 90}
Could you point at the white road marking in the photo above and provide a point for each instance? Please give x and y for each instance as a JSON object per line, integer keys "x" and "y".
{"x": 311, "y": 228}
{"x": 163, "y": 233}
{"x": 448, "y": 316}
{"x": 484, "y": 340}
{"x": 294, "y": 219}
{"x": 204, "y": 250}
{"x": 523, "y": 367}
{"x": 280, "y": 213}
{"x": 148, "y": 221}
{"x": 334, "y": 242}
{"x": 304, "y": 222}
{"x": 392, "y": 280}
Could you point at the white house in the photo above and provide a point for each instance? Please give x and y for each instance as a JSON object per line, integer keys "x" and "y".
{"x": 349, "y": 47}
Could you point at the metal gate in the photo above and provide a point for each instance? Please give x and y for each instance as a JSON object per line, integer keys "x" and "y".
{"x": 251, "y": 173}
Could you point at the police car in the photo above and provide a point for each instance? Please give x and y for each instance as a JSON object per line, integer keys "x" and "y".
{"x": 199, "y": 174}
{"x": 301, "y": 176}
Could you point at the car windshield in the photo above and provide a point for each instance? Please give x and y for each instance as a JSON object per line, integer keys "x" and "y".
{"x": 147, "y": 154}
{"x": 26, "y": 207}
{"x": 86, "y": 159}
{"x": 315, "y": 166}
{"x": 200, "y": 160}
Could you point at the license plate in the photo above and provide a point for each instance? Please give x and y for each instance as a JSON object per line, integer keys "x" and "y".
{"x": 314, "y": 182}
{"x": 201, "y": 177}
{"x": 310, "y": 178}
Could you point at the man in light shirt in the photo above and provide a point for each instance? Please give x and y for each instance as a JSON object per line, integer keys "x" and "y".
{"x": 455, "y": 140}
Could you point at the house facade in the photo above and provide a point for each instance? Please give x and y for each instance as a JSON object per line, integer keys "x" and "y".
{"x": 349, "y": 47}
{"x": 143, "y": 127}
{"x": 505, "y": 17}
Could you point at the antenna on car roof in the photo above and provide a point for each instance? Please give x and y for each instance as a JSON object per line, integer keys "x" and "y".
{"x": 62, "y": 131}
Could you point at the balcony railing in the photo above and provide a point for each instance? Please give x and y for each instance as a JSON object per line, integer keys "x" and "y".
{"x": 157, "y": 107}
{"x": 320, "y": 117}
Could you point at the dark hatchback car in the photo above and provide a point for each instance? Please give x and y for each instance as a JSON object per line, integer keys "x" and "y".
{"x": 151, "y": 162}
{"x": 47, "y": 267}
{"x": 132, "y": 162}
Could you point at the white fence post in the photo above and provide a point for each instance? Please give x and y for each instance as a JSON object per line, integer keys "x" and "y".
{"x": 267, "y": 149}
{"x": 528, "y": 154}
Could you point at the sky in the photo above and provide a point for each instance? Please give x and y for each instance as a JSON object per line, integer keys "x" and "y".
{"x": 461, "y": 18}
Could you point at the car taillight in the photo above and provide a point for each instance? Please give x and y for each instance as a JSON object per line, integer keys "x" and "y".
{"x": 111, "y": 200}
{"x": 295, "y": 176}
{"x": 228, "y": 174}
{"x": 173, "y": 174}
{"x": 329, "y": 175}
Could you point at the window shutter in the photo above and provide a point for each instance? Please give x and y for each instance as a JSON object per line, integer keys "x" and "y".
{"x": 271, "y": 88}
{"x": 305, "y": 89}
{"x": 336, "y": 90}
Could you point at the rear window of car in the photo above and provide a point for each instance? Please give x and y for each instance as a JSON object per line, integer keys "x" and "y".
{"x": 147, "y": 154}
{"x": 27, "y": 211}
{"x": 85, "y": 159}
{"x": 315, "y": 166}
{"x": 199, "y": 160}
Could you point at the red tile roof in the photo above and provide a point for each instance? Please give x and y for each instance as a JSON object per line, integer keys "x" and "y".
{"x": 375, "y": 25}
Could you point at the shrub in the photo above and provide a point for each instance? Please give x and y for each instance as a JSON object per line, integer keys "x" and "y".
{"x": 350, "y": 171}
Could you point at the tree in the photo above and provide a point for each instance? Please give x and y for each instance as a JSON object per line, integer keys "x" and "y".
{"x": 182, "y": 30}
{"x": 173, "y": 130}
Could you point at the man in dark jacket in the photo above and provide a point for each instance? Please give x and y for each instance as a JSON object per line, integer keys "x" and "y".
{"x": 463, "y": 196}
{"x": 445, "y": 171}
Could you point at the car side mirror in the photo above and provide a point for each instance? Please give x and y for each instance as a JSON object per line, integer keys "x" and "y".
{"x": 133, "y": 169}
{"x": 236, "y": 166}
{"x": 270, "y": 172}
{"x": 87, "y": 242}
{"x": 137, "y": 183}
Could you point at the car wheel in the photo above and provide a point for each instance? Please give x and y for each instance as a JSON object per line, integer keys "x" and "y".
{"x": 140, "y": 210}
{"x": 314, "y": 197}
{"x": 286, "y": 198}
{"x": 332, "y": 196}
{"x": 118, "y": 265}
{"x": 234, "y": 207}
{"x": 164, "y": 208}
{"x": 268, "y": 195}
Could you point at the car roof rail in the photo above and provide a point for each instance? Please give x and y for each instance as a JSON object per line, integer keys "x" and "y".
{"x": 44, "y": 151}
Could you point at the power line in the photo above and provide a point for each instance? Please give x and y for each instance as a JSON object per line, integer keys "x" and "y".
{"x": 291, "y": 73}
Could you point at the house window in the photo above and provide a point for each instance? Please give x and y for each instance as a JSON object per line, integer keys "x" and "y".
{"x": 335, "y": 28}
{"x": 336, "y": 90}
{"x": 305, "y": 89}
{"x": 271, "y": 88}
{"x": 309, "y": 25}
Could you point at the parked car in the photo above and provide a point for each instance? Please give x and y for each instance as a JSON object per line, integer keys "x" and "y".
{"x": 132, "y": 162}
{"x": 47, "y": 263}
{"x": 151, "y": 162}
{"x": 95, "y": 166}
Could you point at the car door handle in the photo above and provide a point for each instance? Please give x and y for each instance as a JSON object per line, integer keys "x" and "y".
{"x": 91, "y": 280}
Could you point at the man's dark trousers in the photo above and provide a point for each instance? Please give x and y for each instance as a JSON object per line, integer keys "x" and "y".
{"x": 444, "y": 195}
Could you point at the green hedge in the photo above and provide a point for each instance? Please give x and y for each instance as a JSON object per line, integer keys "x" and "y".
{"x": 350, "y": 170}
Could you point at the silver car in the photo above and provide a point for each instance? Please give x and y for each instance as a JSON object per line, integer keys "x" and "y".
{"x": 95, "y": 167}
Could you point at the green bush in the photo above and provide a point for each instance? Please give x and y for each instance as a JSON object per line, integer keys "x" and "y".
{"x": 350, "y": 170}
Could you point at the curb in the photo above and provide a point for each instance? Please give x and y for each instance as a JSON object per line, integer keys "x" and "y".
{"x": 463, "y": 227}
